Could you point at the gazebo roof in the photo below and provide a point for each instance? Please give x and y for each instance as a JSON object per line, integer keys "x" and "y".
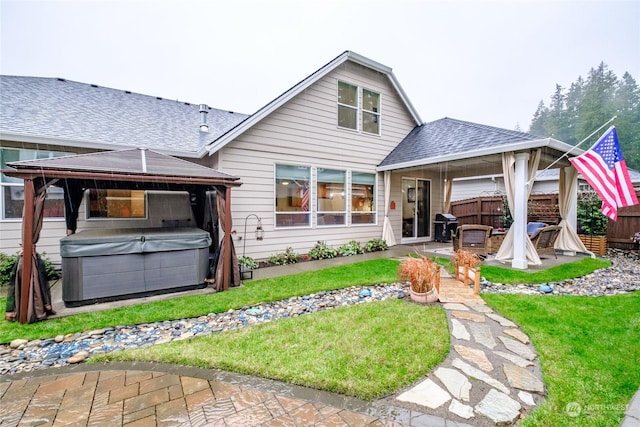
{"x": 132, "y": 165}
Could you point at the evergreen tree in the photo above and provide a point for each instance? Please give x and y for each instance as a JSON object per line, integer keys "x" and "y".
{"x": 539, "y": 123}
{"x": 588, "y": 104}
{"x": 627, "y": 106}
{"x": 597, "y": 104}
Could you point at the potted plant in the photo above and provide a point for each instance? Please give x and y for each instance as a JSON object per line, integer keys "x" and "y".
{"x": 247, "y": 265}
{"x": 423, "y": 276}
{"x": 467, "y": 268}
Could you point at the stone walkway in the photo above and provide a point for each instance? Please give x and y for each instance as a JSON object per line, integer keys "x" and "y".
{"x": 491, "y": 376}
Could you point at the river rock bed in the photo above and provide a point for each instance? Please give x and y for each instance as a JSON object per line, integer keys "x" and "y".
{"x": 623, "y": 276}
{"x": 24, "y": 356}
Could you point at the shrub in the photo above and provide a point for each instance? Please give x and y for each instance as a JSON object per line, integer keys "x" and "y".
{"x": 376, "y": 245}
{"x": 591, "y": 221}
{"x": 247, "y": 262}
{"x": 8, "y": 262}
{"x": 284, "y": 258}
{"x": 322, "y": 251}
{"x": 351, "y": 248}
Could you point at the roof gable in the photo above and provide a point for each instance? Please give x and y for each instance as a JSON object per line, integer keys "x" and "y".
{"x": 65, "y": 112}
{"x": 304, "y": 84}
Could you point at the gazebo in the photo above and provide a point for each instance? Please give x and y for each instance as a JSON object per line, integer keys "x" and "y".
{"x": 132, "y": 169}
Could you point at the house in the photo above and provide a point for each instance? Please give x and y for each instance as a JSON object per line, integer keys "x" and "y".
{"x": 342, "y": 155}
{"x": 491, "y": 185}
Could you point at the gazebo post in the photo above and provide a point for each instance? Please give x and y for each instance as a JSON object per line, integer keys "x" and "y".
{"x": 228, "y": 267}
{"x": 27, "y": 249}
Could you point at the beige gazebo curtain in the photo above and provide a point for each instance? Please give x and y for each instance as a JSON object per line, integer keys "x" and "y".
{"x": 387, "y": 231}
{"x": 446, "y": 206}
{"x": 505, "y": 253}
{"x": 568, "y": 240}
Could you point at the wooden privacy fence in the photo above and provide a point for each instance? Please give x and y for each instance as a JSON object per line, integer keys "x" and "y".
{"x": 619, "y": 232}
{"x": 489, "y": 210}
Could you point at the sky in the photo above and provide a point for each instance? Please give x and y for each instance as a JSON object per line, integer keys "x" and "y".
{"x": 480, "y": 61}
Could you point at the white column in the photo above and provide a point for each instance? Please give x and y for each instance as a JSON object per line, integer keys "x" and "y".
{"x": 520, "y": 212}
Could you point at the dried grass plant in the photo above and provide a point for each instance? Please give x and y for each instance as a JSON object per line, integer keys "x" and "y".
{"x": 466, "y": 258}
{"x": 420, "y": 272}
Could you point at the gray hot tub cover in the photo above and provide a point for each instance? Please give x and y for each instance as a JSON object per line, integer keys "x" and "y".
{"x": 98, "y": 242}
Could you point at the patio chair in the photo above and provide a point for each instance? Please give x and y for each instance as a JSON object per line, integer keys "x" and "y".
{"x": 473, "y": 238}
{"x": 534, "y": 227}
{"x": 545, "y": 238}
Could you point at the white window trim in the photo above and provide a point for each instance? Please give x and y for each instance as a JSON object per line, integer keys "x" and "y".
{"x": 347, "y": 196}
{"x": 4, "y": 185}
{"x": 356, "y": 108}
{"x": 360, "y": 108}
{"x": 311, "y": 198}
{"x": 375, "y": 199}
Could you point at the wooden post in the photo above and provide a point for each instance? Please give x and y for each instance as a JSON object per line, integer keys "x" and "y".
{"x": 228, "y": 268}
{"x": 27, "y": 249}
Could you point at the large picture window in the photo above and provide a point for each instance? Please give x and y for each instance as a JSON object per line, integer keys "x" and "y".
{"x": 331, "y": 194}
{"x": 292, "y": 196}
{"x": 117, "y": 204}
{"x": 12, "y": 189}
{"x": 363, "y": 209}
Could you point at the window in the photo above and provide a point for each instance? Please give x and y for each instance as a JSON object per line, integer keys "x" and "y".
{"x": 12, "y": 189}
{"x": 293, "y": 201}
{"x": 349, "y": 108}
{"x": 116, "y": 204}
{"x": 331, "y": 191}
{"x": 363, "y": 209}
{"x": 370, "y": 112}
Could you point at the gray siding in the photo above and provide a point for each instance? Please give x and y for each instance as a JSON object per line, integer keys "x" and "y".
{"x": 304, "y": 132}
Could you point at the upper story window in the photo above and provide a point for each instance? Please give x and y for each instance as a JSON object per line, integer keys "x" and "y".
{"x": 12, "y": 189}
{"x": 356, "y": 115}
{"x": 347, "y": 106}
{"x": 370, "y": 111}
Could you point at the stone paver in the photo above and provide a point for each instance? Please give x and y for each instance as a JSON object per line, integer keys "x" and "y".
{"x": 491, "y": 373}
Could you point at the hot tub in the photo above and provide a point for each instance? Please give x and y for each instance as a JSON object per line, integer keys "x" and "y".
{"x": 109, "y": 264}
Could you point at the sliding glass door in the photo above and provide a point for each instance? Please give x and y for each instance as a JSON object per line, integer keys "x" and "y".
{"x": 416, "y": 208}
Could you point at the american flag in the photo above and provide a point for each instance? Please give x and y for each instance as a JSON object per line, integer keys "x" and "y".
{"x": 305, "y": 199}
{"x": 604, "y": 168}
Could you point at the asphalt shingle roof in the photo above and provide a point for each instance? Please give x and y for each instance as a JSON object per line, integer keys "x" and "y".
{"x": 68, "y": 110}
{"x": 450, "y": 136}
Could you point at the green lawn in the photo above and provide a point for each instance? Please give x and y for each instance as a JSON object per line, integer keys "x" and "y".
{"x": 367, "y": 350}
{"x": 588, "y": 346}
{"x": 253, "y": 292}
{"x": 589, "y": 352}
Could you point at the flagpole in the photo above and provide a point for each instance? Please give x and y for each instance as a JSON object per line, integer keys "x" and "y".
{"x": 572, "y": 148}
